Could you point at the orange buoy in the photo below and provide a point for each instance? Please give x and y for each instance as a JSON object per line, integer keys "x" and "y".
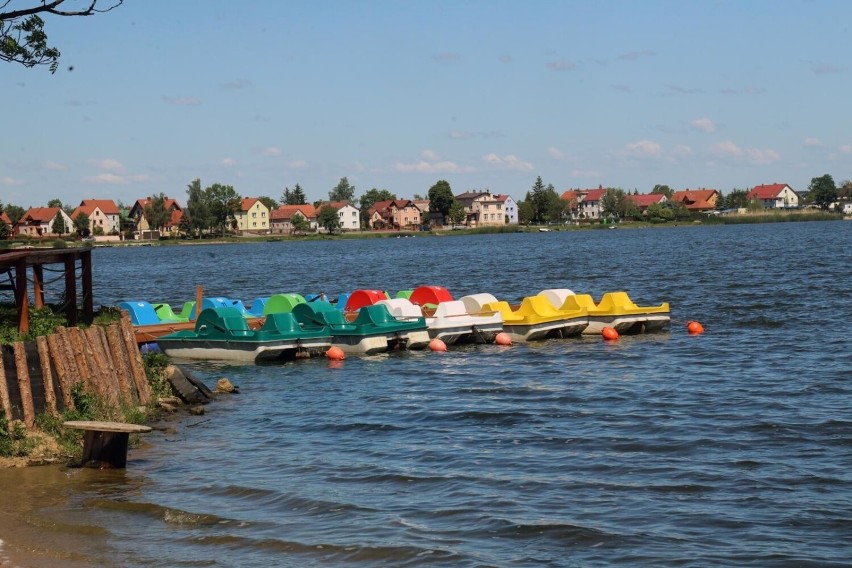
{"x": 694, "y": 328}
{"x": 437, "y": 345}
{"x": 609, "y": 333}
{"x": 503, "y": 338}
{"x": 335, "y": 353}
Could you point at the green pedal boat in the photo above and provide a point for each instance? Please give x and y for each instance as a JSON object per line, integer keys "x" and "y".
{"x": 223, "y": 334}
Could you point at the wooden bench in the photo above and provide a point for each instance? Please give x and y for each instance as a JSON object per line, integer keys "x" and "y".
{"x": 105, "y": 443}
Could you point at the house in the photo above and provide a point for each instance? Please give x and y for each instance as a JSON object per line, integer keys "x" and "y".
{"x": 281, "y": 219}
{"x": 482, "y": 209}
{"x": 697, "y": 200}
{"x": 5, "y": 220}
{"x": 644, "y": 200}
{"x": 396, "y": 214}
{"x": 589, "y": 203}
{"x": 510, "y": 209}
{"x": 143, "y": 229}
{"x": 847, "y": 208}
{"x": 253, "y": 216}
{"x": 38, "y": 222}
{"x": 348, "y": 215}
{"x": 572, "y": 197}
{"x": 104, "y": 215}
{"x": 774, "y": 196}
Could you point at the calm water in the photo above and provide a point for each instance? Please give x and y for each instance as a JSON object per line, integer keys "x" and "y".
{"x": 733, "y": 448}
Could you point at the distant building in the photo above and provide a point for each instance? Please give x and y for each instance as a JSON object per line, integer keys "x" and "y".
{"x": 482, "y": 209}
{"x": 253, "y": 216}
{"x": 510, "y": 209}
{"x": 143, "y": 229}
{"x": 589, "y": 203}
{"x": 102, "y": 213}
{"x": 697, "y": 200}
{"x": 643, "y": 201}
{"x": 774, "y": 196}
{"x": 38, "y": 222}
{"x": 395, "y": 214}
{"x": 281, "y": 219}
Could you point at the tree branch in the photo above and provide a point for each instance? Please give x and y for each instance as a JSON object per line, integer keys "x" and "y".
{"x": 51, "y": 8}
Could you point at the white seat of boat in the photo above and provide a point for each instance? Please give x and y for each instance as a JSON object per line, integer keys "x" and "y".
{"x": 473, "y": 304}
{"x": 401, "y": 308}
{"x": 453, "y": 308}
{"x": 556, "y": 296}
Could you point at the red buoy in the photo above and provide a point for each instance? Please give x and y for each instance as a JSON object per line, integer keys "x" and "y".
{"x": 609, "y": 333}
{"x": 503, "y": 338}
{"x": 694, "y": 328}
{"x": 335, "y": 353}
{"x": 437, "y": 345}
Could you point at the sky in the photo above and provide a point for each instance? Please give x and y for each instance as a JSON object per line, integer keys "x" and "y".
{"x": 397, "y": 95}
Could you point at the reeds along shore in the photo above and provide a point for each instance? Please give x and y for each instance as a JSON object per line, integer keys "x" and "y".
{"x": 39, "y": 376}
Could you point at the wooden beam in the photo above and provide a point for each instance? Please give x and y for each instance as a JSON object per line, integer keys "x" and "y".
{"x": 71, "y": 291}
{"x": 88, "y": 300}
{"x": 38, "y": 285}
{"x": 21, "y": 296}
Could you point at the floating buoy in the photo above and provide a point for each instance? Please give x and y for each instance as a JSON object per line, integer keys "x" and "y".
{"x": 335, "y": 353}
{"x": 694, "y": 328}
{"x": 437, "y": 345}
{"x": 503, "y": 338}
{"x": 609, "y": 333}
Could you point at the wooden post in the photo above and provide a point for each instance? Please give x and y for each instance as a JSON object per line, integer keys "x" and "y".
{"x": 199, "y": 299}
{"x": 134, "y": 357}
{"x": 38, "y": 285}
{"x": 71, "y": 290}
{"x": 4, "y": 390}
{"x": 105, "y": 443}
{"x": 88, "y": 300}
{"x": 26, "y": 390}
{"x": 47, "y": 375}
{"x": 21, "y": 298}
{"x": 56, "y": 345}
{"x": 101, "y": 373}
{"x": 78, "y": 349}
{"x": 119, "y": 357}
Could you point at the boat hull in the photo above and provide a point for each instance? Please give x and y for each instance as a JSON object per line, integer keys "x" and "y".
{"x": 230, "y": 350}
{"x": 381, "y": 342}
{"x": 548, "y": 330}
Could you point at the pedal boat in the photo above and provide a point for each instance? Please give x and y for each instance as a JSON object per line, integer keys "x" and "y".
{"x": 615, "y": 309}
{"x": 534, "y": 319}
{"x": 374, "y": 329}
{"x": 449, "y": 321}
{"x": 223, "y": 334}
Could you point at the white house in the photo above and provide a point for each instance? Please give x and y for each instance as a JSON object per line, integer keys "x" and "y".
{"x": 774, "y": 196}
{"x": 103, "y": 214}
{"x": 510, "y": 209}
{"x": 349, "y": 217}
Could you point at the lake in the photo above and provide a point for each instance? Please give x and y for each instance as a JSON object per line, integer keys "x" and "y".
{"x": 732, "y": 448}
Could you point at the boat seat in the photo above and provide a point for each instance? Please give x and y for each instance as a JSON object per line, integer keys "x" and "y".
{"x": 281, "y": 323}
{"x": 340, "y": 303}
{"x": 475, "y": 303}
{"x": 401, "y": 308}
{"x": 257, "y": 305}
{"x": 141, "y": 313}
{"x": 282, "y": 303}
{"x": 556, "y": 296}
{"x": 165, "y": 314}
{"x": 452, "y": 308}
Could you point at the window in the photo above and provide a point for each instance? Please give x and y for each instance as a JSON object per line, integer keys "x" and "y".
{"x": 254, "y": 215}
{"x": 263, "y": 213}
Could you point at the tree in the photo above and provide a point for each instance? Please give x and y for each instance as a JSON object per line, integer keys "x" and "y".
{"x": 268, "y": 202}
{"x": 664, "y": 190}
{"x": 822, "y": 191}
{"x": 545, "y": 202}
{"x": 526, "y": 212}
{"x": 156, "y": 213}
{"x": 457, "y": 214}
{"x": 611, "y": 202}
{"x": 659, "y": 213}
{"x": 736, "y": 199}
{"x": 328, "y": 219}
{"x": 223, "y": 202}
{"x": 197, "y": 212}
{"x": 81, "y": 225}
{"x": 58, "y": 226}
{"x": 371, "y": 198}
{"x": 441, "y": 198}
{"x": 342, "y": 191}
{"x": 55, "y": 203}
{"x": 295, "y": 196}
{"x": 22, "y": 36}
{"x": 299, "y": 224}
{"x": 14, "y": 212}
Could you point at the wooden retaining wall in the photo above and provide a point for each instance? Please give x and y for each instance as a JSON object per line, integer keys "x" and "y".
{"x": 38, "y": 376}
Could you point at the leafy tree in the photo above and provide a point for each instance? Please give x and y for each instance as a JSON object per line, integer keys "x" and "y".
{"x": 156, "y": 213}
{"x": 55, "y": 203}
{"x": 369, "y": 199}
{"x": 295, "y": 196}
{"x": 736, "y": 199}
{"x": 4, "y": 230}
{"x": 526, "y": 212}
{"x": 822, "y": 191}
{"x": 545, "y": 202}
{"x": 342, "y": 191}
{"x": 328, "y": 219}
{"x": 299, "y": 224}
{"x": 611, "y": 202}
{"x": 22, "y": 36}
{"x": 659, "y": 213}
{"x": 58, "y": 226}
{"x": 268, "y": 202}
{"x": 845, "y": 190}
{"x": 663, "y": 189}
{"x": 81, "y": 225}
{"x": 197, "y": 212}
{"x": 223, "y": 202}
{"x": 15, "y": 212}
{"x": 457, "y": 214}
{"x": 441, "y": 198}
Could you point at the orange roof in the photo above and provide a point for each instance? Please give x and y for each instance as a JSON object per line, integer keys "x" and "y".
{"x": 108, "y": 206}
{"x": 248, "y": 203}
{"x": 593, "y": 194}
{"x": 5, "y": 218}
{"x": 769, "y": 191}
{"x": 41, "y": 214}
{"x": 696, "y": 199}
{"x": 571, "y": 195}
{"x": 169, "y": 203}
{"x": 285, "y": 212}
{"x": 177, "y": 215}
{"x": 644, "y": 200}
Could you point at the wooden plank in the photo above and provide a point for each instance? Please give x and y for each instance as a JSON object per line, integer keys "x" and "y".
{"x": 107, "y": 426}
{"x": 105, "y": 443}
{"x": 47, "y": 375}
{"x": 55, "y": 344}
{"x": 71, "y": 290}
{"x": 21, "y": 298}
{"x": 119, "y": 357}
{"x": 86, "y": 277}
{"x": 134, "y": 358}
{"x": 22, "y": 369}
{"x": 5, "y": 401}
{"x": 102, "y": 372}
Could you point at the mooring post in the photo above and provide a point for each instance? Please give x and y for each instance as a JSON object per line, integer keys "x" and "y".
{"x": 105, "y": 443}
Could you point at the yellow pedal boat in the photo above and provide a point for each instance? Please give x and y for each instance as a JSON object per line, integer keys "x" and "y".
{"x": 535, "y": 318}
{"x": 615, "y": 309}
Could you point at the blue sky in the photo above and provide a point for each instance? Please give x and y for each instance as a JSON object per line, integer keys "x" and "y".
{"x": 398, "y": 95}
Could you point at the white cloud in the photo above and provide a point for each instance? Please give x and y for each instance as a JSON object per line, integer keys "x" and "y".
{"x": 703, "y": 124}
{"x": 508, "y": 162}
{"x": 229, "y": 162}
{"x": 751, "y": 156}
{"x": 54, "y": 166}
{"x": 460, "y": 135}
{"x": 111, "y": 179}
{"x": 681, "y": 150}
{"x": 811, "y": 141}
{"x": 182, "y": 101}
{"x": 847, "y": 149}
{"x": 643, "y": 149}
{"x": 430, "y": 156}
{"x": 425, "y": 167}
{"x": 271, "y": 151}
{"x": 297, "y": 164}
{"x": 9, "y": 181}
{"x": 108, "y": 164}
{"x": 555, "y": 153}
